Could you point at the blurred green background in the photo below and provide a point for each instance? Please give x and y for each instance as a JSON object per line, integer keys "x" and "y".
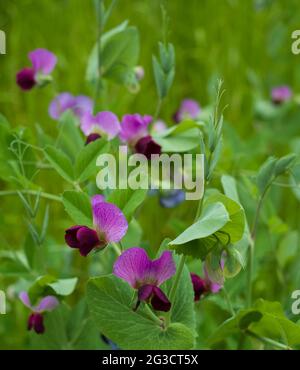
{"x": 247, "y": 43}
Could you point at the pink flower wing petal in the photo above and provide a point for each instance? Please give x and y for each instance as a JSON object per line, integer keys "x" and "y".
{"x": 47, "y": 303}
{"x": 110, "y": 221}
{"x": 132, "y": 265}
{"x": 42, "y": 60}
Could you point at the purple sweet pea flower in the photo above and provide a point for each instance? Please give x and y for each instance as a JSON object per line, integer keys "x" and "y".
{"x": 104, "y": 124}
{"x": 213, "y": 279}
{"x": 146, "y": 276}
{"x": 134, "y": 127}
{"x": 189, "y": 108}
{"x": 110, "y": 225}
{"x": 80, "y": 105}
{"x": 43, "y": 63}
{"x": 281, "y": 94}
{"x": 204, "y": 286}
{"x": 36, "y": 319}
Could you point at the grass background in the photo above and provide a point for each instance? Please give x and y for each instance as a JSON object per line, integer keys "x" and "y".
{"x": 247, "y": 43}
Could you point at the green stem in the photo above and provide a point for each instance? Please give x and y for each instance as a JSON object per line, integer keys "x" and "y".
{"x": 228, "y": 300}
{"x": 252, "y": 248}
{"x": 152, "y": 315}
{"x": 31, "y": 192}
{"x": 116, "y": 248}
{"x": 158, "y": 109}
{"x": 177, "y": 278}
{"x": 268, "y": 341}
{"x": 98, "y": 46}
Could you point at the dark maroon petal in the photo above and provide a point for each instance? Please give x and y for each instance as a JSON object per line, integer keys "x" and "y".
{"x": 147, "y": 146}
{"x": 71, "y": 236}
{"x": 159, "y": 300}
{"x": 88, "y": 239}
{"x": 38, "y": 324}
{"x": 30, "y": 322}
{"x": 83, "y": 238}
{"x": 145, "y": 292}
{"x": 92, "y": 137}
{"x": 199, "y": 286}
{"x": 25, "y": 78}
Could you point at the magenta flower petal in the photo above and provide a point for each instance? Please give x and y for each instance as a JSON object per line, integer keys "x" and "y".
{"x": 48, "y": 303}
{"x": 189, "y": 108}
{"x": 60, "y": 104}
{"x": 109, "y": 222}
{"x": 160, "y": 301}
{"x": 42, "y": 60}
{"x": 132, "y": 266}
{"x": 134, "y": 127}
{"x": 104, "y": 123}
{"x": 138, "y": 270}
{"x": 98, "y": 198}
{"x": 24, "y": 297}
{"x": 147, "y": 146}
{"x": 82, "y": 104}
{"x": 163, "y": 267}
{"x": 281, "y": 94}
{"x": 26, "y": 79}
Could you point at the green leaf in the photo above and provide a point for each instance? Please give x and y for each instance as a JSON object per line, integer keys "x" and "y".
{"x": 69, "y": 138}
{"x": 213, "y": 219}
{"x": 284, "y": 164}
{"x": 55, "y": 336}
{"x": 265, "y": 319}
{"x": 120, "y": 50}
{"x": 266, "y": 174}
{"x": 183, "y": 307}
{"x": 236, "y": 225}
{"x": 109, "y": 300}
{"x": 78, "y": 206}
{"x": 240, "y": 248}
{"x": 64, "y": 286}
{"x": 159, "y": 77}
{"x": 127, "y": 200}
{"x": 92, "y": 73}
{"x": 60, "y": 162}
{"x": 85, "y": 165}
{"x": 249, "y": 318}
{"x": 181, "y": 142}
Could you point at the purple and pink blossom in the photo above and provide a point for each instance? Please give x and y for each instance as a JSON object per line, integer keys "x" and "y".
{"x": 109, "y": 226}
{"x": 36, "y": 318}
{"x": 43, "y": 62}
{"x": 146, "y": 276}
